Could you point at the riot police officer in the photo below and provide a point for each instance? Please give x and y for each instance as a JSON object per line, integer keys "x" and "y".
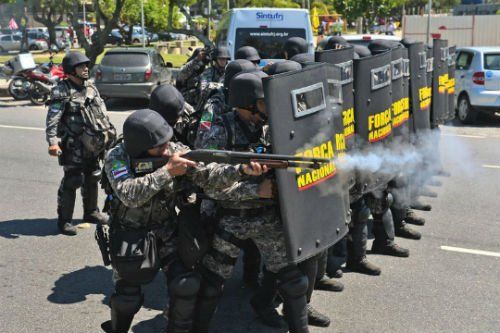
{"x": 144, "y": 204}
{"x": 294, "y": 46}
{"x": 213, "y": 76}
{"x": 249, "y": 53}
{"x": 78, "y": 131}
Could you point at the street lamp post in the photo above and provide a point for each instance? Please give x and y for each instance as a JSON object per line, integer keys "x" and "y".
{"x": 142, "y": 23}
{"x": 209, "y": 17}
{"x": 429, "y": 6}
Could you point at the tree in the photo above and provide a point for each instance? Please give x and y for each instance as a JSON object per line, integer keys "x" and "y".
{"x": 101, "y": 8}
{"x": 50, "y": 13}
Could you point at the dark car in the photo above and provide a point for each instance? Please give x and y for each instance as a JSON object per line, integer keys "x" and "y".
{"x": 131, "y": 72}
{"x": 114, "y": 38}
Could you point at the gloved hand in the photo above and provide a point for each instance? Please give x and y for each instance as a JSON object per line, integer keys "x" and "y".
{"x": 55, "y": 150}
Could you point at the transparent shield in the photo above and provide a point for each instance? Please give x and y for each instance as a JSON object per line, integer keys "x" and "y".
{"x": 397, "y": 69}
{"x": 381, "y": 77}
{"x": 308, "y": 100}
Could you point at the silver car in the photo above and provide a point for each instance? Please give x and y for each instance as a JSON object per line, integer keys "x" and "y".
{"x": 477, "y": 78}
{"x": 10, "y": 43}
{"x": 131, "y": 73}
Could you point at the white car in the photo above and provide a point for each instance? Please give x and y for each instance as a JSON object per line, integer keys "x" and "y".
{"x": 477, "y": 87}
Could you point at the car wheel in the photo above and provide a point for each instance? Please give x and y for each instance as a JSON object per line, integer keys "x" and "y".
{"x": 135, "y": 41}
{"x": 464, "y": 111}
{"x": 33, "y": 47}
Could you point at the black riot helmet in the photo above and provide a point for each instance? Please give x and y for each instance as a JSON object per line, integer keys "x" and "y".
{"x": 235, "y": 67}
{"x": 378, "y": 46}
{"x": 73, "y": 59}
{"x": 283, "y": 67}
{"x": 220, "y": 52}
{"x": 168, "y": 102}
{"x": 245, "y": 89}
{"x": 303, "y": 59}
{"x": 362, "y": 51}
{"x": 295, "y": 45}
{"x": 143, "y": 130}
{"x": 249, "y": 53}
{"x": 335, "y": 42}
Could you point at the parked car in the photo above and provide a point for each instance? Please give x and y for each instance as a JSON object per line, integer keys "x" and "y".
{"x": 477, "y": 87}
{"x": 131, "y": 72}
{"x": 10, "y": 43}
{"x": 114, "y": 38}
{"x": 38, "y": 40}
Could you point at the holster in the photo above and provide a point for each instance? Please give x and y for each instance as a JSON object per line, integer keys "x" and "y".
{"x": 102, "y": 238}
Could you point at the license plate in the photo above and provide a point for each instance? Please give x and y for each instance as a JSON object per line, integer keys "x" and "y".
{"x": 122, "y": 77}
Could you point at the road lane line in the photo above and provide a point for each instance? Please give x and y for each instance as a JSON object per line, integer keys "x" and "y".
{"x": 470, "y": 251}
{"x": 23, "y": 127}
{"x": 465, "y": 135}
{"x": 491, "y": 166}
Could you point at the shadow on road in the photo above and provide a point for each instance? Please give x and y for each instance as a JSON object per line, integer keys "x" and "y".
{"x": 29, "y": 227}
{"x": 74, "y": 287}
{"x": 483, "y": 120}
{"x": 156, "y": 324}
{"x": 126, "y": 104}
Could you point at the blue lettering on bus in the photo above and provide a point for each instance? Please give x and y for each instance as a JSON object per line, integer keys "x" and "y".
{"x": 270, "y": 16}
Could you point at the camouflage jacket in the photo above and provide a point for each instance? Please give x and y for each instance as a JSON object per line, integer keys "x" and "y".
{"x": 64, "y": 116}
{"x": 189, "y": 74}
{"x": 231, "y": 133}
{"x": 150, "y": 200}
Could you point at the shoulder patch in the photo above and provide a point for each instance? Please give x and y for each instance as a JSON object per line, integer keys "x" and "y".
{"x": 119, "y": 169}
{"x": 55, "y": 106}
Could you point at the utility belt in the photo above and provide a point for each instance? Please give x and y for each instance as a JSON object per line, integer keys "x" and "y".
{"x": 246, "y": 213}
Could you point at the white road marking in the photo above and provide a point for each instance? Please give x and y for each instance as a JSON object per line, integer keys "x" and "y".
{"x": 491, "y": 166}
{"x": 465, "y": 135}
{"x": 470, "y": 251}
{"x": 23, "y": 127}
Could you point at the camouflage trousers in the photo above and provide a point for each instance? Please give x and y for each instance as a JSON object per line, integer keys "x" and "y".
{"x": 265, "y": 230}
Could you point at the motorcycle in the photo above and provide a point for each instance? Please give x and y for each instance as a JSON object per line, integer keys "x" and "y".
{"x": 36, "y": 84}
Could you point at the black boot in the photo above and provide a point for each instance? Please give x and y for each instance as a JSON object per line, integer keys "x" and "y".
{"x": 337, "y": 274}
{"x": 263, "y": 301}
{"x": 293, "y": 289}
{"x": 125, "y": 303}
{"x": 411, "y": 217}
{"x": 363, "y": 266}
{"x": 327, "y": 284}
{"x": 421, "y": 206}
{"x": 401, "y": 228}
{"x": 315, "y": 318}
{"x": 428, "y": 193}
{"x": 95, "y": 217}
{"x": 405, "y": 231}
{"x": 66, "y": 196}
{"x": 390, "y": 248}
{"x": 356, "y": 241}
{"x": 251, "y": 264}
{"x": 66, "y": 228}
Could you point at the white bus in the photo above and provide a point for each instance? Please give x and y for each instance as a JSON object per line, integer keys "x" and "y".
{"x": 266, "y": 29}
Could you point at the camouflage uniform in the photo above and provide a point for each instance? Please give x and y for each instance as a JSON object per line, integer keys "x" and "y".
{"x": 150, "y": 202}
{"x": 65, "y": 121}
{"x": 211, "y": 79}
{"x": 188, "y": 80}
{"x": 244, "y": 216}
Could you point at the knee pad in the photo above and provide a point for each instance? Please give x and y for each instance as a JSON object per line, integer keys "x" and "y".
{"x": 293, "y": 283}
{"x": 127, "y": 300}
{"x": 185, "y": 285}
{"x": 72, "y": 181}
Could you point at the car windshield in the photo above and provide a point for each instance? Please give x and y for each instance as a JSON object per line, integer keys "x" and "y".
{"x": 125, "y": 59}
{"x": 268, "y": 41}
{"x": 492, "y": 61}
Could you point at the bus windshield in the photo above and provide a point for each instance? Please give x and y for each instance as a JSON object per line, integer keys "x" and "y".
{"x": 268, "y": 41}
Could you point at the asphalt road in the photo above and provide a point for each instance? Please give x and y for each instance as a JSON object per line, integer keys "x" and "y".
{"x": 54, "y": 283}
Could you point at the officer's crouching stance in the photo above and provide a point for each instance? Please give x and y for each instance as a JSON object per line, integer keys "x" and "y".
{"x": 142, "y": 210}
{"x": 76, "y": 116}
